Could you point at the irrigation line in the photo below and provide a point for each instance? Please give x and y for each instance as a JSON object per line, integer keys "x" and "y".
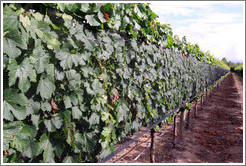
{"x": 150, "y": 127}
{"x": 131, "y": 149}
{"x": 150, "y": 143}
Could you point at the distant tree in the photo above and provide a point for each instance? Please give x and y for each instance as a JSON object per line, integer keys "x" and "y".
{"x": 224, "y": 60}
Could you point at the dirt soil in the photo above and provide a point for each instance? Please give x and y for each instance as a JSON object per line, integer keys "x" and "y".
{"x": 215, "y": 135}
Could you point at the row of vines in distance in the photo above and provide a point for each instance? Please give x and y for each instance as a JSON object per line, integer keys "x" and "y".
{"x": 78, "y": 78}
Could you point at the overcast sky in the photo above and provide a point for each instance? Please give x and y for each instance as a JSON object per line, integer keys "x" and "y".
{"x": 215, "y": 26}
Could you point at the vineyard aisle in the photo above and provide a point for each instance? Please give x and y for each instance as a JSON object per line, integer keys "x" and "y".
{"x": 214, "y": 136}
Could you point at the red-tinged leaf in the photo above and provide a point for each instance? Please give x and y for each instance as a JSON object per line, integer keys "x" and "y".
{"x": 107, "y": 16}
{"x": 5, "y": 153}
{"x": 53, "y": 104}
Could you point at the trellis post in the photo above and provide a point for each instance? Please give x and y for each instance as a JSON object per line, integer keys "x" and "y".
{"x": 181, "y": 124}
{"x": 152, "y": 146}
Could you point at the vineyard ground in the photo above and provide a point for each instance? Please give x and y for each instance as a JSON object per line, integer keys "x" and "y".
{"x": 214, "y": 136}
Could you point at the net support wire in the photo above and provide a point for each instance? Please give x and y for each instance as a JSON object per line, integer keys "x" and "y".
{"x": 135, "y": 159}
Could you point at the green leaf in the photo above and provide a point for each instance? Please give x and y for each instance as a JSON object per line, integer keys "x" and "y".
{"x": 9, "y": 131}
{"x": 97, "y": 87}
{"x": 9, "y": 47}
{"x": 69, "y": 128}
{"x": 59, "y": 75}
{"x": 16, "y": 103}
{"x": 25, "y": 20}
{"x": 49, "y": 125}
{"x": 136, "y": 125}
{"x": 35, "y": 120}
{"x": 53, "y": 124}
{"x": 122, "y": 112}
{"x": 48, "y": 154}
{"x": 134, "y": 45}
{"x": 73, "y": 79}
{"x": 45, "y": 144}
{"x": 106, "y": 131}
{"x": 33, "y": 107}
{"x": 5, "y": 61}
{"x": 105, "y": 153}
{"x": 105, "y": 116}
{"x": 21, "y": 140}
{"x": 38, "y": 16}
{"x": 50, "y": 70}
{"x": 68, "y": 17}
{"x": 45, "y": 88}
{"x": 5, "y": 159}
{"x": 127, "y": 128}
{"x": 92, "y": 20}
{"x": 62, "y": 6}
{"x": 86, "y": 70}
{"x": 76, "y": 113}
{"x": 84, "y": 7}
{"x": 137, "y": 26}
{"x": 136, "y": 10}
{"x": 67, "y": 102}
{"x": 108, "y": 8}
{"x": 117, "y": 22}
{"x": 85, "y": 142}
{"x": 57, "y": 121}
{"x": 124, "y": 22}
{"x": 94, "y": 119}
{"x": 53, "y": 43}
{"x": 42, "y": 59}
{"x": 68, "y": 159}
{"x": 59, "y": 149}
{"x": 28, "y": 132}
{"x": 101, "y": 17}
{"x": 72, "y": 159}
{"x": 68, "y": 59}
{"x": 45, "y": 106}
{"x": 74, "y": 97}
{"x": 20, "y": 143}
{"x": 23, "y": 72}
{"x": 10, "y": 18}
{"x": 7, "y": 111}
{"x": 33, "y": 150}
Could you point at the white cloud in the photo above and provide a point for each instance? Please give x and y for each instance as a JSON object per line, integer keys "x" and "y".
{"x": 220, "y": 31}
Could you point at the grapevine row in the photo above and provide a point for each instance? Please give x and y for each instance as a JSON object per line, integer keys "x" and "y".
{"x": 77, "y": 81}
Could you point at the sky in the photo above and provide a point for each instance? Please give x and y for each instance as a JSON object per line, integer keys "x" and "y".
{"x": 215, "y": 26}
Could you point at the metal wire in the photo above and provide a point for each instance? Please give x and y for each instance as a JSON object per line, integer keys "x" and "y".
{"x": 150, "y": 143}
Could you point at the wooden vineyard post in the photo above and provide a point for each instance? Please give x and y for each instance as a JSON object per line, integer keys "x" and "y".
{"x": 188, "y": 119}
{"x": 152, "y": 146}
{"x": 206, "y": 94}
{"x": 181, "y": 124}
{"x": 195, "y": 111}
{"x": 174, "y": 127}
{"x": 201, "y": 100}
